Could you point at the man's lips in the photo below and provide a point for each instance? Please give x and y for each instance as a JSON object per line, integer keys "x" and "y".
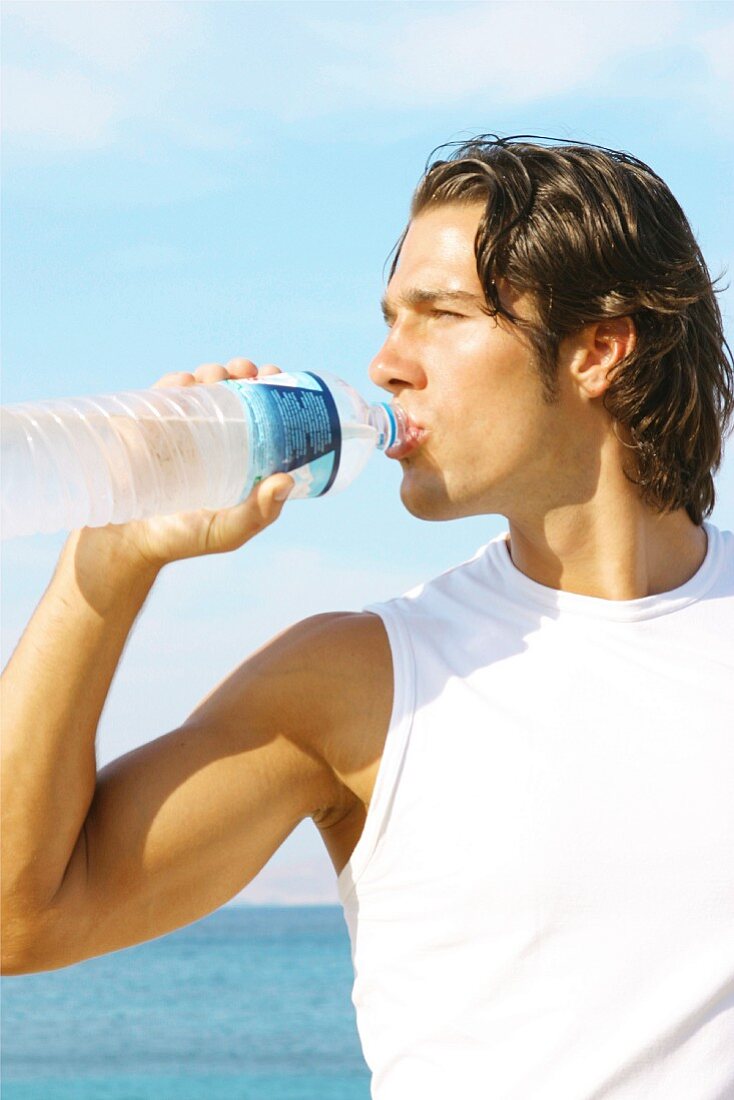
{"x": 412, "y": 437}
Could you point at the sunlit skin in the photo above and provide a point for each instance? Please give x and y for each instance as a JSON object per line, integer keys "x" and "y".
{"x": 494, "y": 445}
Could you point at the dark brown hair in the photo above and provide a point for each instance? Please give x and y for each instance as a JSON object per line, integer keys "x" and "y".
{"x": 594, "y": 233}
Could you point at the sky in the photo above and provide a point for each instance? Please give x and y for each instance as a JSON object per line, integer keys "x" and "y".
{"x": 188, "y": 182}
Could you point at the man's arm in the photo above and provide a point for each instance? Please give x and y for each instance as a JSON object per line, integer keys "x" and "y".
{"x": 172, "y": 830}
{"x": 53, "y": 692}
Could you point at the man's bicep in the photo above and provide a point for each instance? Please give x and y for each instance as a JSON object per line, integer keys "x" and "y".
{"x": 179, "y": 825}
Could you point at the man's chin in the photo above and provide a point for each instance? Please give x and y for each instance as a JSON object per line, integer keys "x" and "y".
{"x": 427, "y": 495}
{"x": 430, "y": 504}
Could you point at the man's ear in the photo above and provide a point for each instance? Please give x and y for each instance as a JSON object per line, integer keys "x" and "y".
{"x": 598, "y": 349}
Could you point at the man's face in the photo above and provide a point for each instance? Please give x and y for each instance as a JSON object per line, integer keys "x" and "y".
{"x": 469, "y": 379}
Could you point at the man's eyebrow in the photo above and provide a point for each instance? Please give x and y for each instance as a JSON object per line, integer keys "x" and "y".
{"x": 416, "y": 296}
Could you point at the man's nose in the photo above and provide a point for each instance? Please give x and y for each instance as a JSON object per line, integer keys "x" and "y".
{"x": 396, "y": 366}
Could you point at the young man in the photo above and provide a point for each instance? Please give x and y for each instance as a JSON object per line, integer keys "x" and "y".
{"x": 522, "y": 770}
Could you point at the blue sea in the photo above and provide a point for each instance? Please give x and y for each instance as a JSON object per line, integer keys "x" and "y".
{"x": 246, "y": 1004}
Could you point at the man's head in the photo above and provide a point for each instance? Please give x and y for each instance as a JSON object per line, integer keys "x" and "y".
{"x": 572, "y": 236}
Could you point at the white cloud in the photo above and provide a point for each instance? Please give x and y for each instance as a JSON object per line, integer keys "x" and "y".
{"x": 517, "y": 53}
{"x": 76, "y": 73}
{"x": 197, "y": 75}
{"x": 717, "y": 47}
{"x": 60, "y": 110}
{"x": 715, "y": 93}
{"x": 116, "y": 36}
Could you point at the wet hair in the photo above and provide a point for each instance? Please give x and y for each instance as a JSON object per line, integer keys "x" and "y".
{"x": 593, "y": 234}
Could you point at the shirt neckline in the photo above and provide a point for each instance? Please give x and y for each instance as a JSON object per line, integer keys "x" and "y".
{"x": 648, "y": 607}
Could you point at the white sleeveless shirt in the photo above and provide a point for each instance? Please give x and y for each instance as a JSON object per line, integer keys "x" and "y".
{"x": 541, "y": 904}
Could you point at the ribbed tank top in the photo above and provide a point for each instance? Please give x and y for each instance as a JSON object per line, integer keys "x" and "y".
{"x": 541, "y": 904}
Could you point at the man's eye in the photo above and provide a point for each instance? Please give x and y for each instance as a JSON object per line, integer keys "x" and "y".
{"x": 390, "y": 321}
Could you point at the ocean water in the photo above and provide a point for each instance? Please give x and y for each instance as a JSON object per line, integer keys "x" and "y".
{"x": 246, "y": 1004}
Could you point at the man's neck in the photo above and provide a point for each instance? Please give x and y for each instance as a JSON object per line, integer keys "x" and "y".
{"x": 616, "y": 554}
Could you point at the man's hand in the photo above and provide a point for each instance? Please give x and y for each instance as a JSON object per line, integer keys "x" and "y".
{"x": 161, "y": 539}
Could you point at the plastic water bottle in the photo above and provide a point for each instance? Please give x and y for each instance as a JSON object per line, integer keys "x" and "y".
{"x": 90, "y": 461}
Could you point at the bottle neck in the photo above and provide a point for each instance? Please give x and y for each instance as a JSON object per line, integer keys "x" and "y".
{"x": 389, "y": 422}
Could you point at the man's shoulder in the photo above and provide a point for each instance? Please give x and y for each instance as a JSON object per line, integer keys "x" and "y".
{"x": 341, "y": 665}
{"x": 344, "y": 637}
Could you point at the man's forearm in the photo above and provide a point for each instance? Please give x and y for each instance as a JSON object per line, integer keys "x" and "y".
{"x": 53, "y": 692}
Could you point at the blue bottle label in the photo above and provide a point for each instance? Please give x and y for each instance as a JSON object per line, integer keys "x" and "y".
{"x": 294, "y": 428}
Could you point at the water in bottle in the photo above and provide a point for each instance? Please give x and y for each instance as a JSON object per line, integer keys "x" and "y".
{"x": 91, "y": 461}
